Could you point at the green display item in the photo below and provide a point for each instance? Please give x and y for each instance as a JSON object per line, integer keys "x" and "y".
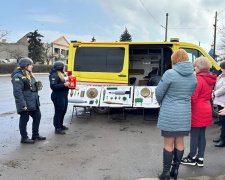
{"x": 111, "y": 88}
{"x": 104, "y": 91}
{"x": 124, "y": 98}
{"x": 138, "y": 100}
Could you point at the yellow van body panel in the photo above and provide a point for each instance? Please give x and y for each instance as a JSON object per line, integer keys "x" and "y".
{"x": 100, "y": 78}
{"x": 119, "y": 78}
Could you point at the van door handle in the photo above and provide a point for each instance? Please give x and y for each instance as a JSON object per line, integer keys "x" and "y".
{"x": 122, "y": 75}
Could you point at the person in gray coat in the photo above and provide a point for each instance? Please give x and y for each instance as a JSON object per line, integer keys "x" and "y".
{"x": 219, "y": 100}
{"x": 173, "y": 93}
{"x": 26, "y": 97}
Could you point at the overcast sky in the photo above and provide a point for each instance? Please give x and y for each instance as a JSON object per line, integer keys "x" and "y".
{"x": 189, "y": 20}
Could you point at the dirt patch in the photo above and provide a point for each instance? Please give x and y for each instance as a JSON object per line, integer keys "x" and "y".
{"x": 13, "y": 164}
{"x": 72, "y": 145}
{"x": 124, "y": 128}
{"x": 8, "y": 113}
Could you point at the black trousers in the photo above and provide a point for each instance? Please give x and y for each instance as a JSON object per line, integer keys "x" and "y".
{"x": 222, "y": 121}
{"x": 197, "y": 142}
{"x": 24, "y": 118}
{"x": 60, "y": 103}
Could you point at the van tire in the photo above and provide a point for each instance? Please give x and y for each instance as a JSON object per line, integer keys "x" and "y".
{"x": 101, "y": 110}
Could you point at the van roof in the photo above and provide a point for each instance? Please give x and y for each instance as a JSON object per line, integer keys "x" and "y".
{"x": 135, "y": 42}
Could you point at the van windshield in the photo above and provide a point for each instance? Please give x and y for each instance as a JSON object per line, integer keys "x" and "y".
{"x": 193, "y": 54}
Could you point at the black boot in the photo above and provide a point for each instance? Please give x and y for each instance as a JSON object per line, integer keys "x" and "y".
{"x": 27, "y": 141}
{"x": 59, "y": 131}
{"x": 221, "y": 143}
{"x": 38, "y": 138}
{"x": 167, "y": 160}
{"x": 64, "y": 128}
{"x": 176, "y": 163}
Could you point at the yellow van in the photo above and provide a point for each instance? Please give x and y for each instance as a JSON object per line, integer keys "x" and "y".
{"x": 125, "y": 63}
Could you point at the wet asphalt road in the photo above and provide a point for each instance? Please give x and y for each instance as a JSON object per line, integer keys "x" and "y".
{"x": 93, "y": 149}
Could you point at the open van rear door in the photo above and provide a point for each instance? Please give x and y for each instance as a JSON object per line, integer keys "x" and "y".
{"x": 100, "y": 63}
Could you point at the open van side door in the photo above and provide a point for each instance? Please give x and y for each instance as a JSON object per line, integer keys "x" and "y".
{"x": 99, "y": 63}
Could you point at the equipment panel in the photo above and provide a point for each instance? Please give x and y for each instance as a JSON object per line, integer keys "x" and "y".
{"x": 144, "y": 96}
{"x": 116, "y": 96}
{"x": 85, "y": 96}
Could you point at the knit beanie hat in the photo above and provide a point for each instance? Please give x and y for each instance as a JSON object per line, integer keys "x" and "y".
{"x": 222, "y": 64}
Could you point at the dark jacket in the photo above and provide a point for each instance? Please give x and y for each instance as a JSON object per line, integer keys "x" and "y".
{"x": 154, "y": 81}
{"x": 201, "y": 110}
{"x": 24, "y": 97}
{"x": 56, "y": 84}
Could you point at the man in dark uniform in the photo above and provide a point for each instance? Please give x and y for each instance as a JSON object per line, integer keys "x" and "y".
{"x": 26, "y": 99}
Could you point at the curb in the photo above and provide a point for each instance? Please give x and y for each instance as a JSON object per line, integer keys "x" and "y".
{"x": 3, "y": 75}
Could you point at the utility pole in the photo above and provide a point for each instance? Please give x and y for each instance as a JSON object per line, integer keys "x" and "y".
{"x": 214, "y": 51}
{"x": 166, "y": 26}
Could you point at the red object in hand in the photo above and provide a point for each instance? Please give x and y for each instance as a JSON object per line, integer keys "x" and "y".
{"x": 72, "y": 81}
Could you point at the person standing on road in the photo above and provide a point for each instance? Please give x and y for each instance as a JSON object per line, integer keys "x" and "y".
{"x": 219, "y": 99}
{"x": 27, "y": 102}
{"x": 59, "y": 95}
{"x": 174, "y": 93}
{"x": 201, "y": 115}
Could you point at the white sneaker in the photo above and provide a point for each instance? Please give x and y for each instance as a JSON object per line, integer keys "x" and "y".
{"x": 199, "y": 162}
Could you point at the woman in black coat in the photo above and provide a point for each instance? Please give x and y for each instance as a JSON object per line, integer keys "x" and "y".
{"x": 59, "y": 96}
{"x": 27, "y": 100}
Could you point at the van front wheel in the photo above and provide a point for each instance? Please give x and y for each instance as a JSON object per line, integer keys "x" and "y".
{"x": 101, "y": 110}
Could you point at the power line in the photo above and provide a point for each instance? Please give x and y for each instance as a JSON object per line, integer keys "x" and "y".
{"x": 171, "y": 28}
{"x": 208, "y": 38}
{"x": 151, "y": 15}
{"x": 190, "y": 28}
{"x": 220, "y": 18}
{"x": 221, "y": 11}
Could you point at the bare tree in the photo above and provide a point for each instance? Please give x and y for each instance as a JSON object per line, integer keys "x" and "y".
{"x": 48, "y": 55}
{"x": 221, "y": 45}
{"x": 60, "y": 57}
{"x": 3, "y": 34}
{"x": 17, "y": 54}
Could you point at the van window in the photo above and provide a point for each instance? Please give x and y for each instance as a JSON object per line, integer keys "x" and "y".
{"x": 99, "y": 59}
{"x": 193, "y": 54}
